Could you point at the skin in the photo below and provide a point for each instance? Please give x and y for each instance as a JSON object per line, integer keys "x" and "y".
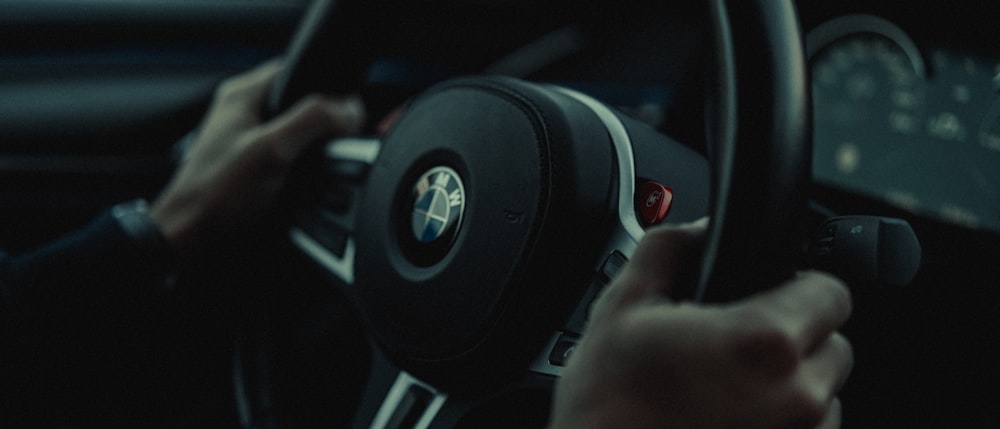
{"x": 239, "y": 162}
{"x": 774, "y": 360}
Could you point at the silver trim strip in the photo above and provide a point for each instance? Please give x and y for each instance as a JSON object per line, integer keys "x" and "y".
{"x": 626, "y": 236}
{"x": 341, "y": 267}
{"x": 363, "y": 149}
{"x": 432, "y": 410}
{"x": 395, "y": 395}
{"x": 626, "y": 162}
{"x": 239, "y": 385}
{"x": 354, "y": 149}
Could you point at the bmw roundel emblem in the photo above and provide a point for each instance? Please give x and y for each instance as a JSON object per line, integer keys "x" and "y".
{"x": 439, "y": 202}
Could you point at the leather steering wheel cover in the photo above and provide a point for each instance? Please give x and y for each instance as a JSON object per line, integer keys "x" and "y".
{"x": 762, "y": 156}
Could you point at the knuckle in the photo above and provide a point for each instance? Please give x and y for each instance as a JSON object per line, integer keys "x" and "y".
{"x": 309, "y": 113}
{"x": 806, "y": 410}
{"x": 840, "y": 295}
{"x": 641, "y": 341}
{"x": 313, "y": 102}
{"x": 762, "y": 345}
{"x": 266, "y": 150}
{"x": 234, "y": 89}
{"x": 680, "y": 234}
{"x": 278, "y": 156}
{"x": 314, "y": 112}
{"x": 620, "y": 294}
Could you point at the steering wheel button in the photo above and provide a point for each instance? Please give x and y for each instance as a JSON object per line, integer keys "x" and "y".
{"x": 562, "y": 351}
{"x": 613, "y": 265}
{"x": 578, "y": 320}
{"x": 346, "y": 169}
{"x": 653, "y": 202}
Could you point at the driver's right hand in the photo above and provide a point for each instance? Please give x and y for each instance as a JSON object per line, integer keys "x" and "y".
{"x": 773, "y": 360}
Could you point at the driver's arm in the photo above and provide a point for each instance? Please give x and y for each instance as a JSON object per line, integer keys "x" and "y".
{"x": 774, "y": 360}
{"x": 239, "y": 161}
{"x": 231, "y": 174}
{"x": 123, "y": 257}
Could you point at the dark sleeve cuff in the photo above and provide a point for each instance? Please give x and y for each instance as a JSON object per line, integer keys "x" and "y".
{"x": 134, "y": 218}
{"x": 120, "y": 254}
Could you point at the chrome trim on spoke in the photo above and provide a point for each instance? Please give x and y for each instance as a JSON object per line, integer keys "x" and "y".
{"x": 396, "y": 394}
{"x": 341, "y": 267}
{"x": 432, "y": 410}
{"x": 626, "y": 235}
{"x": 362, "y": 149}
{"x": 626, "y": 162}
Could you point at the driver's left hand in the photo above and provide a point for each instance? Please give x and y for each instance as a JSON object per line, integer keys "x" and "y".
{"x": 239, "y": 162}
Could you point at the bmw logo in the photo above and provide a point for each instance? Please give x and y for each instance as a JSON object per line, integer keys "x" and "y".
{"x": 439, "y": 202}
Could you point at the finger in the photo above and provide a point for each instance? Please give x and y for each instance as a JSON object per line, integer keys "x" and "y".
{"x": 665, "y": 253}
{"x": 825, "y": 371}
{"x": 813, "y": 401}
{"x": 807, "y": 308}
{"x": 250, "y": 87}
{"x": 662, "y": 254}
{"x": 832, "y": 419}
{"x": 312, "y": 118}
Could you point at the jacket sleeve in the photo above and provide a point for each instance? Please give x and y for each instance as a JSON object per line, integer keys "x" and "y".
{"x": 80, "y": 273}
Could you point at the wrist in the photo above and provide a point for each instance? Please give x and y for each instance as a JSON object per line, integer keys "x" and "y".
{"x": 136, "y": 220}
{"x": 176, "y": 222}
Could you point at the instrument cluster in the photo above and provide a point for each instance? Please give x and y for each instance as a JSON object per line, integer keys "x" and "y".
{"x": 915, "y": 125}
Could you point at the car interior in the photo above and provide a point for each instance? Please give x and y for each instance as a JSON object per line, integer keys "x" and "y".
{"x": 436, "y": 270}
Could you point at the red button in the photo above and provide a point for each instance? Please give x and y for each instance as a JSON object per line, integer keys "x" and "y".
{"x": 654, "y": 202}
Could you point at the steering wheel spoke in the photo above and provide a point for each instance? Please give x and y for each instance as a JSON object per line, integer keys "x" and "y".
{"x": 476, "y": 233}
{"x": 327, "y": 200}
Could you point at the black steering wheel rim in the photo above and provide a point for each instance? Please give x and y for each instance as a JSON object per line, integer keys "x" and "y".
{"x": 762, "y": 156}
{"x": 758, "y": 98}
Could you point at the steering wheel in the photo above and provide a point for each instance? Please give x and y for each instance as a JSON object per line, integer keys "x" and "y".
{"x": 475, "y": 233}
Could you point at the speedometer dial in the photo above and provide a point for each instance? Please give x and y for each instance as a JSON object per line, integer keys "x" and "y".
{"x": 868, "y": 97}
{"x": 922, "y": 135}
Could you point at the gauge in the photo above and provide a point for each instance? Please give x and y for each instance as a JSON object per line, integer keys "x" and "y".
{"x": 921, "y": 132}
{"x": 868, "y": 88}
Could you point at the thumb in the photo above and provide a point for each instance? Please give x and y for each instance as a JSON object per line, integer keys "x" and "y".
{"x": 656, "y": 269}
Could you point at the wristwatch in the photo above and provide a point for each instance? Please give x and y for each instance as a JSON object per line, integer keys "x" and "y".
{"x": 145, "y": 233}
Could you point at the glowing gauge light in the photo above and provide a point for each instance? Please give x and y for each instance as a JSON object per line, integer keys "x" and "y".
{"x": 890, "y": 122}
{"x": 869, "y": 100}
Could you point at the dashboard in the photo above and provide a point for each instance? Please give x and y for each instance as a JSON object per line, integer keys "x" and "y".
{"x": 917, "y": 126}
